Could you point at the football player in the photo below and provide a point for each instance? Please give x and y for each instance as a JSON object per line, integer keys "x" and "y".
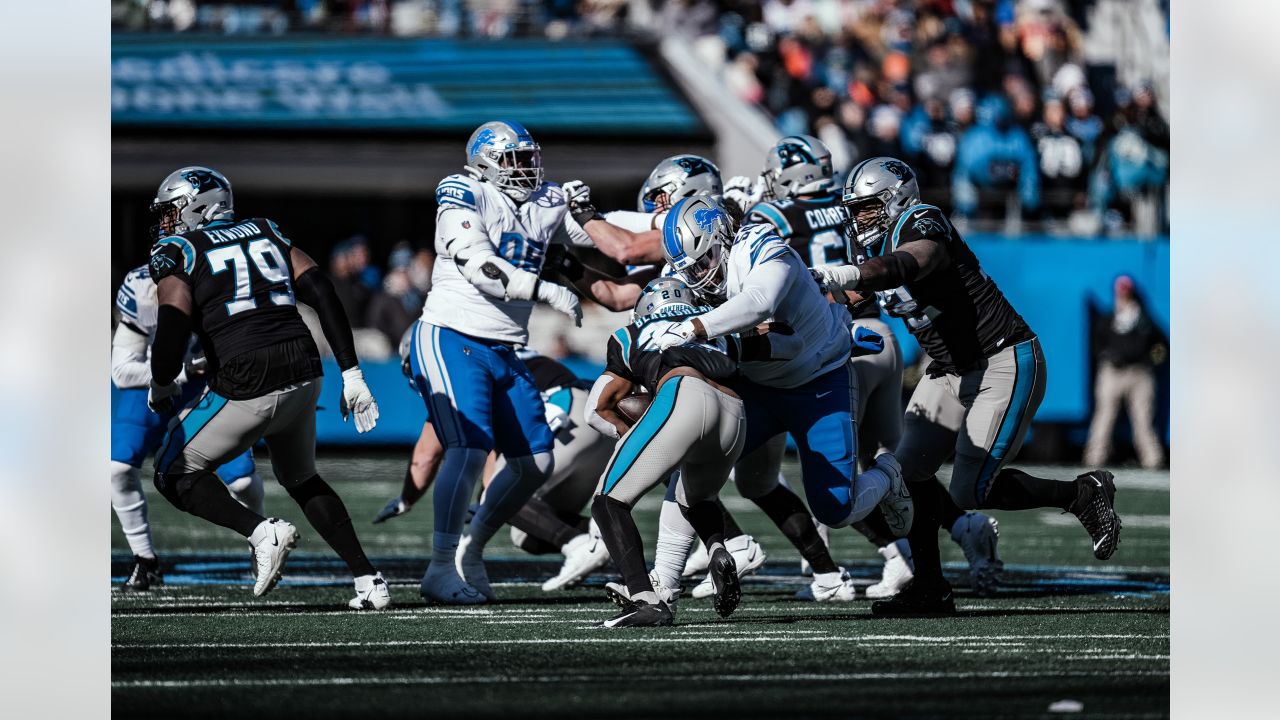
{"x": 136, "y": 431}
{"x": 803, "y": 204}
{"x": 236, "y": 283}
{"x": 985, "y": 379}
{"x": 756, "y": 277}
{"x": 494, "y": 223}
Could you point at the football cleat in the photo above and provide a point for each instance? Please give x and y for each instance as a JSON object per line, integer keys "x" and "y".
{"x": 272, "y": 542}
{"x": 583, "y": 555}
{"x": 1095, "y": 506}
{"x": 723, "y": 574}
{"x": 896, "y": 506}
{"x": 469, "y": 561}
{"x": 748, "y": 556}
{"x": 617, "y": 592}
{"x": 829, "y": 587}
{"x": 898, "y": 570}
{"x": 442, "y": 584}
{"x": 977, "y": 535}
{"x": 640, "y": 614}
{"x": 145, "y": 573}
{"x": 394, "y": 508}
{"x": 697, "y": 561}
{"x": 824, "y": 532}
{"x": 918, "y": 600}
{"x": 372, "y": 593}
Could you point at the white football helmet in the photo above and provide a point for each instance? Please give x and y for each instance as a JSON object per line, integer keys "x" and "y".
{"x": 504, "y": 153}
{"x": 695, "y": 242}
{"x": 797, "y": 165}
{"x": 884, "y": 185}
{"x": 676, "y": 178}
{"x": 190, "y": 198}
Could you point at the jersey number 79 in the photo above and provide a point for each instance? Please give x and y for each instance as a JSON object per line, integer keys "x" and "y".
{"x": 271, "y": 266}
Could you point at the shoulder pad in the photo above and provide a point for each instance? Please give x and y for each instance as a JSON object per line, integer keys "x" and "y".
{"x": 770, "y": 212}
{"x": 757, "y": 244}
{"x": 918, "y": 222}
{"x": 172, "y": 255}
{"x": 275, "y": 229}
{"x": 457, "y": 191}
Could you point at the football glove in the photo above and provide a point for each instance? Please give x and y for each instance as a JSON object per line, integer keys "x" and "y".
{"x": 578, "y": 195}
{"x": 395, "y": 508}
{"x": 836, "y": 278}
{"x": 678, "y": 335}
{"x": 161, "y": 398}
{"x": 742, "y": 193}
{"x": 866, "y": 341}
{"x": 357, "y": 400}
{"x": 561, "y": 298}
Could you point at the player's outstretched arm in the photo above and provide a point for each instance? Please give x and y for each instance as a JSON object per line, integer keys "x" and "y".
{"x": 762, "y": 291}
{"x": 911, "y": 261}
{"x": 605, "y": 394}
{"x": 129, "y": 366}
{"x": 621, "y": 244}
{"x": 315, "y": 288}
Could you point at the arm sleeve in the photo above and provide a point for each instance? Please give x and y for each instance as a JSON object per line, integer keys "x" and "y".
{"x": 315, "y": 289}
{"x": 173, "y": 330}
{"x": 463, "y": 238}
{"x": 764, "y": 288}
{"x": 129, "y": 366}
{"x": 594, "y": 421}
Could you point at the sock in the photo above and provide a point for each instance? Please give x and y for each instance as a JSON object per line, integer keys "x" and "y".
{"x": 788, "y": 512}
{"x": 539, "y": 521}
{"x": 923, "y": 536}
{"x": 509, "y": 490}
{"x": 648, "y": 597}
{"x": 206, "y": 497}
{"x": 130, "y": 505}
{"x": 622, "y": 538}
{"x": 675, "y": 537}
{"x": 459, "y": 471}
{"x": 327, "y": 514}
{"x": 248, "y": 491}
{"x": 444, "y": 546}
{"x": 731, "y": 529}
{"x": 1015, "y": 490}
{"x": 949, "y": 512}
{"x": 707, "y": 520}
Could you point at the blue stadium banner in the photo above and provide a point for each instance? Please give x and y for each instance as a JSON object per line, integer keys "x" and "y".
{"x": 595, "y": 87}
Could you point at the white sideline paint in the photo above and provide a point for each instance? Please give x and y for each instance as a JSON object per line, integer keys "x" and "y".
{"x": 1130, "y": 521}
{"x": 472, "y": 680}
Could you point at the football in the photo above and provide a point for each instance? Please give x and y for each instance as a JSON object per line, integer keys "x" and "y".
{"x": 633, "y": 406}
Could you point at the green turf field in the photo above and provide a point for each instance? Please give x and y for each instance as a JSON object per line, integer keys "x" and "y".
{"x": 1065, "y": 627}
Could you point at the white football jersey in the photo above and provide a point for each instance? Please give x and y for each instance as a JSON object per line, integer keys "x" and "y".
{"x": 136, "y": 300}
{"x": 804, "y": 308}
{"x": 519, "y": 233}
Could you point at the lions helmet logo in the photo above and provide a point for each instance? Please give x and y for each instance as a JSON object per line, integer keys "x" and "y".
{"x": 485, "y": 137}
{"x": 899, "y": 170}
{"x": 707, "y": 218}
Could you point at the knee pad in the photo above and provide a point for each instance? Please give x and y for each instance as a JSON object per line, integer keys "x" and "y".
{"x": 126, "y": 486}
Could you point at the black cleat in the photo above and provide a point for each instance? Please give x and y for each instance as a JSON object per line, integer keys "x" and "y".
{"x": 641, "y": 614}
{"x": 146, "y": 572}
{"x": 724, "y": 579}
{"x": 1095, "y": 506}
{"x": 918, "y": 600}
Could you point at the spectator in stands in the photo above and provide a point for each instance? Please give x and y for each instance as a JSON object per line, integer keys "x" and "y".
{"x": 884, "y": 128}
{"x": 1062, "y": 166}
{"x": 1133, "y": 168}
{"x": 349, "y": 269}
{"x": 995, "y": 155}
{"x": 1127, "y": 345}
{"x": 929, "y": 142}
{"x": 1083, "y": 125}
{"x": 393, "y": 310}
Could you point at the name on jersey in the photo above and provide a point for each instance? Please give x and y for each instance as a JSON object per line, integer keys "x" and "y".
{"x": 235, "y": 233}
{"x": 825, "y": 217}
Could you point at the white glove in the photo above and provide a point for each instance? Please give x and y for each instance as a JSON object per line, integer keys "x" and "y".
{"x": 562, "y": 299}
{"x": 576, "y": 191}
{"x": 195, "y": 366}
{"x": 836, "y": 278}
{"x": 678, "y": 335}
{"x": 160, "y": 398}
{"x": 357, "y": 400}
{"x": 739, "y": 191}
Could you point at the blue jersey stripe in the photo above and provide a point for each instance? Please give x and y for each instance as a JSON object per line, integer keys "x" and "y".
{"x": 776, "y": 218}
{"x": 195, "y": 421}
{"x": 1023, "y": 384}
{"x": 624, "y": 340}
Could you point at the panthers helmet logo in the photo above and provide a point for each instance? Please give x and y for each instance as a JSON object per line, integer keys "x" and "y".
{"x": 898, "y": 169}
{"x": 202, "y": 181}
{"x": 693, "y": 166}
{"x": 794, "y": 154}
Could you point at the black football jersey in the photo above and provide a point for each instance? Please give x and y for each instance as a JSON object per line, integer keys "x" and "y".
{"x": 957, "y": 313}
{"x": 241, "y": 281}
{"x": 814, "y": 227}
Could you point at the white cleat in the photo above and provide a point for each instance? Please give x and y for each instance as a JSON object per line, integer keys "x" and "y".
{"x": 583, "y": 555}
{"x": 829, "y": 587}
{"x": 977, "y": 534}
{"x": 618, "y": 593}
{"x": 898, "y": 571}
{"x": 272, "y": 541}
{"x": 896, "y": 506}
{"x": 824, "y": 532}
{"x": 469, "y": 562}
{"x": 698, "y": 561}
{"x": 442, "y": 584}
{"x": 372, "y": 593}
{"x": 748, "y": 556}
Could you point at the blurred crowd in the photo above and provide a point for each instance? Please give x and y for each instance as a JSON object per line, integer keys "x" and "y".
{"x": 380, "y": 303}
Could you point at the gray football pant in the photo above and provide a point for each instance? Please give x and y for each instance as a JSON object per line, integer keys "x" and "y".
{"x": 980, "y": 416}
{"x": 689, "y": 425}
{"x": 217, "y": 429}
{"x": 879, "y": 411}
